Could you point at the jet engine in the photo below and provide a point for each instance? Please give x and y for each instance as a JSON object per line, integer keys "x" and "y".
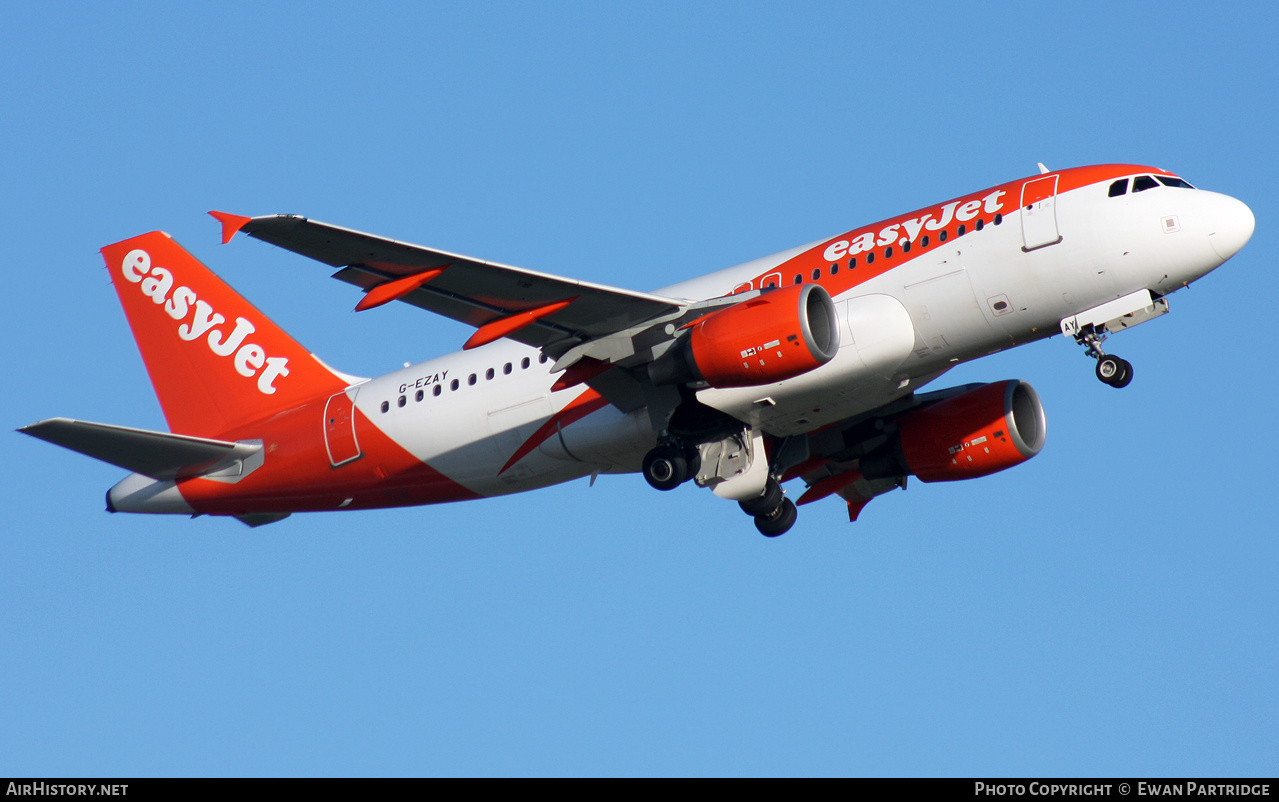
{"x": 976, "y": 433}
{"x": 777, "y": 336}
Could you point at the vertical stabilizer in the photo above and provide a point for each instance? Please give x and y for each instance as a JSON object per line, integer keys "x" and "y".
{"x": 215, "y": 360}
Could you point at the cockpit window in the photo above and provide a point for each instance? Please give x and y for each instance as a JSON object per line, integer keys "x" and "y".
{"x": 1173, "y": 181}
{"x": 1119, "y": 187}
{"x": 1142, "y": 183}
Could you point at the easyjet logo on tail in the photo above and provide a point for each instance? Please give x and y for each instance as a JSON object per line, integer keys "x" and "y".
{"x": 198, "y": 319}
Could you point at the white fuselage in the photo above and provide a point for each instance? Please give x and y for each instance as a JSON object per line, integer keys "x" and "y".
{"x": 973, "y": 295}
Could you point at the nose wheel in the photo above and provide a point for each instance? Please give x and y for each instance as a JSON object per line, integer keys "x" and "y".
{"x": 1114, "y": 371}
{"x": 1111, "y": 370}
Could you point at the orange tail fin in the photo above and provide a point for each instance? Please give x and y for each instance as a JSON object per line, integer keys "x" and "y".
{"x": 215, "y": 361}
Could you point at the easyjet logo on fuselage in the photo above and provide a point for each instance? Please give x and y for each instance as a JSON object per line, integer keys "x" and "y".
{"x": 249, "y": 359}
{"x": 908, "y": 230}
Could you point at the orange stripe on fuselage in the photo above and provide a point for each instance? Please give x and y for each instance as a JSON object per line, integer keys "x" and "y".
{"x": 297, "y": 475}
{"x": 578, "y": 408}
{"x": 914, "y": 226}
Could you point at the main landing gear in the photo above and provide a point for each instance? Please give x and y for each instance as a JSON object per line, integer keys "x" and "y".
{"x": 674, "y": 461}
{"x": 1112, "y": 370}
{"x": 774, "y": 513}
{"x": 671, "y": 464}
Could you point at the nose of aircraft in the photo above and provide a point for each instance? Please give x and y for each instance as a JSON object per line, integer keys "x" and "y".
{"x": 1232, "y": 227}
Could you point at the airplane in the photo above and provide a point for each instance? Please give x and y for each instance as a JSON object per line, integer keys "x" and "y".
{"x": 807, "y": 364}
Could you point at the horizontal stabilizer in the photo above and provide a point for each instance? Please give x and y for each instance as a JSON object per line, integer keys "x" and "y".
{"x": 159, "y": 455}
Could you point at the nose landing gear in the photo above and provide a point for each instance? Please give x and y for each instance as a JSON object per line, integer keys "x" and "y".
{"x": 1114, "y": 371}
{"x": 1111, "y": 370}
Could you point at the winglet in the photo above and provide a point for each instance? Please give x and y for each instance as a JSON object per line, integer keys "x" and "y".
{"x": 393, "y": 290}
{"x": 231, "y": 223}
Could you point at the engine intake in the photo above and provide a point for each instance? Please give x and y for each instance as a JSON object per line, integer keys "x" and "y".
{"x": 777, "y": 336}
{"x": 977, "y": 433}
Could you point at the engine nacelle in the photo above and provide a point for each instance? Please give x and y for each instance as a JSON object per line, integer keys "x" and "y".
{"x": 777, "y": 336}
{"x": 976, "y": 433}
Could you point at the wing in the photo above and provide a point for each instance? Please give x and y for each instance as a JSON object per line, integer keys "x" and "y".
{"x": 537, "y": 309}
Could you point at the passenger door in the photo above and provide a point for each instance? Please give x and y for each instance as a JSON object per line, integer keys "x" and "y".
{"x": 1039, "y": 213}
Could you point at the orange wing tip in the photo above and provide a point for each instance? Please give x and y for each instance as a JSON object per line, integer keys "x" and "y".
{"x": 497, "y": 329}
{"x": 396, "y": 289}
{"x": 231, "y": 223}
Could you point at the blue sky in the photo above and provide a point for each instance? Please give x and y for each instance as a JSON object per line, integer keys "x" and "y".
{"x": 1108, "y": 608}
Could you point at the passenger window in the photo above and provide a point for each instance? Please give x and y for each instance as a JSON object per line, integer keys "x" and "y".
{"x": 542, "y": 358}
{"x": 980, "y": 224}
{"x": 1118, "y": 188}
{"x": 852, "y": 263}
{"x": 453, "y": 385}
{"x": 386, "y": 405}
{"x": 961, "y": 231}
{"x": 799, "y": 279}
{"x": 506, "y": 369}
{"x": 470, "y": 379}
{"x": 834, "y": 269}
{"x": 999, "y": 218}
{"x": 401, "y": 401}
{"x": 1173, "y": 181}
{"x": 419, "y": 396}
{"x": 870, "y": 257}
{"x": 524, "y": 363}
{"x": 817, "y": 273}
{"x": 906, "y": 246}
{"x": 488, "y": 374}
{"x": 1143, "y": 182}
{"x": 941, "y": 237}
{"x": 439, "y": 388}
{"x": 888, "y": 252}
{"x": 923, "y": 243}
